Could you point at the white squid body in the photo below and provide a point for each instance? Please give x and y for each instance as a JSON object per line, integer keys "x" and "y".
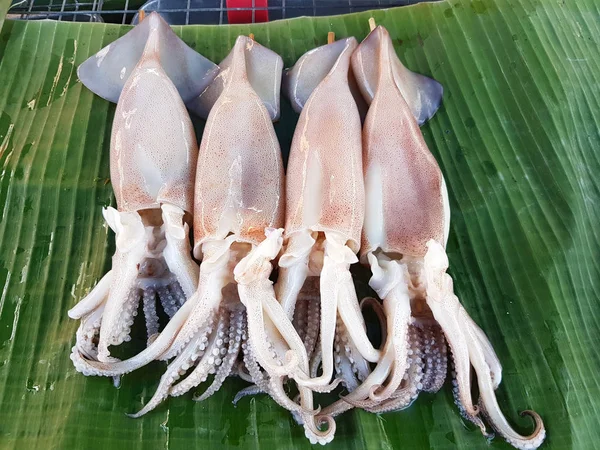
{"x": 324, "y": 216}
{"x": 153, "y": 156}
{"x": 405, "y": 231}
{"x": 238, "y": 215}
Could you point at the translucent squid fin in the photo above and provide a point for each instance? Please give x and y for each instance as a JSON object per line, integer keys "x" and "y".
{"x": 423, "y": 94}
{"x": 301, "y": 80}
{"x": 106, "y": 72}
{"x": 263, "y": 68}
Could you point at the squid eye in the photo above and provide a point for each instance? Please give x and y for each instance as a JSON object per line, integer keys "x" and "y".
{"x": 152, "y": 268}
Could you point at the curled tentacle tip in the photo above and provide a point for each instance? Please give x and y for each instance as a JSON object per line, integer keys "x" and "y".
{"x": 136, "y": 415}
{"x": 373, "y": 395}
{"x": 536, "y": 417}
{"x": 325, "y": 432}
{"x": 539, "y": 433}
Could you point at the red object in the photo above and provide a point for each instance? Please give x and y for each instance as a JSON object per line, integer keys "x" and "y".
{"x": 246, "y": 16}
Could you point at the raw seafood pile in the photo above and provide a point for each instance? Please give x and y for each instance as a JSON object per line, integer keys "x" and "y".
{"x": 361, "y": 186}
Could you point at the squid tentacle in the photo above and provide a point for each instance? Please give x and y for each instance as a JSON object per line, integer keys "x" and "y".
{"x": 315, "y": 363}
{"x": 320, "y": 431}
{"x": 171, "y": 375}
{"x": 335, "y": 272}
{"x": 489, "y": 354}
{"x": 251, "y": 364}
{"x": 352, "y": 367}
{"x": 149, "y": 305}
{"x": 330, "y": 292}
{"x": 237, "y": 323}
{"x": 131, "y": 242}
{"x": 239, "y": 368}
{"x": 178, "y": 249}
{"x": 293, "y": 269}
{"x": 257, "y": 295}
{"x": 300, "y": 320}
{"x": 458, "y": 395}
{"x": 445, "y": 304}
{"x": 214, "y": 276}
{"x": 167, "y": 300}
{"x": 312, "y": 331}
{"x": 298, "y": 351}
{"x": 375, "y": 379}
{"x": 247, "y": 392}
{"x": 210, "y": 356}
{"x": 411, "y": 384}
{"x": 273, "y": 385}
{"x": 435, "y": 356}
{"x": 390, "y": 281}
{"x": 265, "y": 383}
{"x": 185, "y": 324}
{"x": 377, "y": 307}
{"x": 88, "y": 332}
{"x": 94, "y": 299}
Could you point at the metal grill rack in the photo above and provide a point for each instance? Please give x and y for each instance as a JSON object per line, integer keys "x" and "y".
{"x": 184, "y": 12}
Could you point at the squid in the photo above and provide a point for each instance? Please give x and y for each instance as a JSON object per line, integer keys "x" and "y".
{"x": 238, "y": 218}
{"x": 153, "y": 154}
{"x": 403, "y": 240}
{"x": 324, "y": 218}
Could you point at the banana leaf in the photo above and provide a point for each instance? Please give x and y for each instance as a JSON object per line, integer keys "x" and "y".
{"x": 517, "y": 138}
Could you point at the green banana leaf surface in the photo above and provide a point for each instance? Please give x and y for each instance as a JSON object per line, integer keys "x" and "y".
{"x": 517, "y": 138}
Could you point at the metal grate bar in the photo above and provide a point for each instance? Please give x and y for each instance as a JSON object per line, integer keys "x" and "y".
{"x": 180, "y": 12}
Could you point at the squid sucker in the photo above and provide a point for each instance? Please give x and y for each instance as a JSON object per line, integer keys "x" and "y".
{"x": 153, "y": 154}
{"x": 405, "y": 231}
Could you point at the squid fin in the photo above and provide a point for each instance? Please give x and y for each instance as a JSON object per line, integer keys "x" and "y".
{"x": 263, "y": 69}
{"x": 302, "y": 79}
{"x": 106, "y": 72}
{"x": 423, "y": 94}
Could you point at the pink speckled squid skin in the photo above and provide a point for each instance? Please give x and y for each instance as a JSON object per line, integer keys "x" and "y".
{"x": 400, "y": 170}
{"x": 240, "y": 178}
{"x": 153, "y": 153}
{"x": 325, "y": 190}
